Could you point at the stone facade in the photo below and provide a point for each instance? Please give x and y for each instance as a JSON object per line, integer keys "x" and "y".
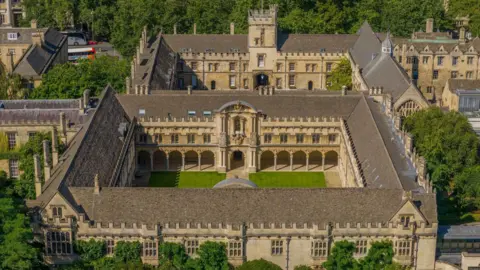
{"x": 11, "y": 13}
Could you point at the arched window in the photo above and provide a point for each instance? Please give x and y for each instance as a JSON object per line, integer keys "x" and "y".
{"x": 213, "y": 85}
{"x": 408, "y": 108}
{"x": 237, "y": 125}
{"x": 310, "y": 85}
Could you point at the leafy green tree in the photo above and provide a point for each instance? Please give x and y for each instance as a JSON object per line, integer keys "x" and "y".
{"x": 467, "y": 188}
{"x": 341, "y": 256}
{"x": 213, "y": 256}
{"x": 90, "y": 250}
{"x": 172, "y": 254}
{"x": 127, "y": 252}
{"x": 446, "y": 140}
{"x": 259, "y": 264}
{"x": 340, "y": 76}
{"x": 50, "y": 13}
{"x": 11, "y": 86}
{"x": 379, "y": 255}
{"x": 458, "y": 8}
{"x": 69, "y": 80}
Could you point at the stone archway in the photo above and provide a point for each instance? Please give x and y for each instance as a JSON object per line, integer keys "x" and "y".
{"x": 267, "y": 160}
{"x": 331, "y": 160}
{"x": 143, "y": 160}
{"x": 261, "y": 79}
{"x": 175, "y": 161}
{"x": 315, "y": 161}
{"x": 283, "y": 160}
{"x": 299, "y": 160}
{"x": 191, "y": 160}
{"x": 207, "y": 160}
{"x": 159, "y": 161}
{"x": 237, "y": 160}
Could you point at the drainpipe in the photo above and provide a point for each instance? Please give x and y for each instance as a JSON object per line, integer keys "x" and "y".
{"x": 203, "y": 73}
{"x": 288, "y": 251}
{"x": 415, "y": 244}
{"x": 244, "y": 242}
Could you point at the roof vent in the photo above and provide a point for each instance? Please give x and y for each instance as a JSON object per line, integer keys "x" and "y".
{"x": 322, "y": 50}
{"x": 12, "y": 36}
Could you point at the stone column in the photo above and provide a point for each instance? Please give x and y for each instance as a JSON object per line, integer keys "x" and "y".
{"x": 229, "y": 161}
{"x": 291, "y": 162}
{"x": 308, "y": 157}
{"x": 199, "y": 161}
{"x": 274, "y": 161}
{"x": 259, "y": 168}
{"x": 167, "y": 160}
{"x": 183, "y": 161}
{"x": 323, "y": 162}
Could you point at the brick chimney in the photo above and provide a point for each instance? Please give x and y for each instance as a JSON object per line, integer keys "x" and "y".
{"x": 37, "y": 38}
{"x": 429, "y": 26}
{"x": 232, "y": 28}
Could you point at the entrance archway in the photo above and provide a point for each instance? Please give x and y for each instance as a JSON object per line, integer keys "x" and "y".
{"x": 262, "y": 79}
{"x": 143, "y": 160}
{"x": 175, "y": 160}
{"x": 238, "y": 160}
{"x": 315, "y": 161}
{"x": 299, "y": 160}
{"x": 191, "y": 160}
{"x": 208, "y": 160}
{"x": 283, "y": 160}
{"x": 310, "y": 85}
{"x": 159, "y": 161}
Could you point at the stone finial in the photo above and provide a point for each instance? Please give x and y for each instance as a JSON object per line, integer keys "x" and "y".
{"x": 96, "y": 189}
{"x": 46, "y": 159}
{"x": 407, "y": 195}
{"x": 54, "y": 147}
{"x": 38, "y": 172}
{"x": 232, "y": 28}
{"x": 344, "y": 90}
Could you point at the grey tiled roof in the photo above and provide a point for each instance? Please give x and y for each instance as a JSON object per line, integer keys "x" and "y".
{"x": 162, "y": 205}
{"x": 461, "y": 232}
{"x": 178, "y": 103}
{"x": 458, "y": 84}
{"x": 315, "y": 43}
{"x": 51, "y": 36}
{"x": 95, "y": 149}
{"x": 212, "y": 43}
{"x": 40, "y": 104}
{"x": 366, "y": 46}
{"x": 41, "y": 115}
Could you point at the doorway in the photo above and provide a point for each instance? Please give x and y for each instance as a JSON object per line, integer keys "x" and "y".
{"x": 262, "y": 80}
{"x": 238, "y": 160}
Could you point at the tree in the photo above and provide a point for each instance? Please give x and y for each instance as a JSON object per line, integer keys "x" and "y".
{"x": 69, "y": 80}
{"x": 340, "y": 76}
{"x": 213, "y": 256}
{"x": 90, "y": 250}
{"x": 11, "y": 86}
{"x": 341, "y": 256}
{"x": 467, "y": 188}
{"x": 259, "y": 264}
{"x": 127, "y": 252}
{"x": 459, "y": 8}
{"x": 172, "y": 254}
{"x": 379, "y": 255}
{"x": 50, "y": 13}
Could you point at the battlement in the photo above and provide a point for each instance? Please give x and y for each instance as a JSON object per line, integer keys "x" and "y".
{"x": 263, "y": 13}
{"x": 313, "y": 54}
{"x": 324, "y": 119}
{"x": 176, "y": 120}
{"x": 232, "y": 55}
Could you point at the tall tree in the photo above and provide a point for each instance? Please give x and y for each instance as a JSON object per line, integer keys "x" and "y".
{"x": 213, "y": 256}
{"x": 172, "y": 254}
{"x": 467, "y": 188}
{"x": 379, "y": 255}
{"x": 470, "y": 8}
{"x": 341, "y": 256}
{"x": 340, "y": 76}
{"x": 259, "y": 264}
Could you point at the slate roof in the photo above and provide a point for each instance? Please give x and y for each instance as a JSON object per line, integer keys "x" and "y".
{"x": 40, "y": 104}
{"x": 38, "y": 58}
{"x": 95, "y": 149}
{"x": 222, "y": 43}
{"x": 250, "y": 205}
{"x": 178, "y": 103}
{"x": 315, "y": 43}
{"x": 366, "y": 46}
{"x": 461, "y": 232}
{"x": 459, "y": 84}
{"x": 51, "y": 36}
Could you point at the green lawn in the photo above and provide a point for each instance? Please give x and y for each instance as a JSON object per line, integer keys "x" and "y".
{"x": 185, "y": 179}
{"x": 288, "y": 179}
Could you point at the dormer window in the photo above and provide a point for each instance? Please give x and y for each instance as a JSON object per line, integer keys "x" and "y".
{"x": 191, "y": 113}
{"x": 57, "y": 212}
{"x": 405, "y": 220}
{"x": 12, "y": 36}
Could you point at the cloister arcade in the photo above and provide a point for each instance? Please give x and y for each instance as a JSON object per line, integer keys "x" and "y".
{"x": 268, "y": 160}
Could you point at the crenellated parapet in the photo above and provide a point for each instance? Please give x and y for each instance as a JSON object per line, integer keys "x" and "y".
{"x": 146, "y": 121}
{"x": 220, "y": 55}
{"x": 335, "y": 55}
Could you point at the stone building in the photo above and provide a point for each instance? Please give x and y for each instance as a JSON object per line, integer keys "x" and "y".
{"x": 22, "y": 119}
{"x": 432, "y": 58}
{"x": 31, "y": 52}
{"x": 384, "y": 190}
{"x": 11, "y": 12}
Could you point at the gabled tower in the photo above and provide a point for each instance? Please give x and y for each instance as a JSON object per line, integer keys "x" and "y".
{"x": 262, "y": 27}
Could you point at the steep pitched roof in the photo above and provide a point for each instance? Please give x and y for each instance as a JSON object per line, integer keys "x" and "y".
{"x": 250, "y": 205}
{"x": 366, "y": 46}
{"x": 208, "y": 43}
{"x": 315, "y": 43}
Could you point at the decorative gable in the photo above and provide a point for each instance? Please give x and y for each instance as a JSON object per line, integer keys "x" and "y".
{"x": 408, "y": 213}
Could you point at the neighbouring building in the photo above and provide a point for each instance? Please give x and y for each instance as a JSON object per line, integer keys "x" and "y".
{"x": 432, "y": 58}
{"x": 11, "y": 12}
{"x": 31, "y": 52}
{"x": 22, "y": 119}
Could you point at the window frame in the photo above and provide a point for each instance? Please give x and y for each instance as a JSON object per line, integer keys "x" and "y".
{"x": 283, "y": 138}
{"x": 12, "y": 140}
{"x": 300, "y": 138}
{"x": 267, "y": 138}
{"x": 235, "y": 249}
{"x": 58, "y": 243}
{"x": 191, "y": 138}
{"x": 13, "y": 168}
{"x": 276, "y": 247}
{"x": 316, "y": 138}
{"x": 174, "y": 138}
{"x": 261, "y": 60}
{"x": 191, "y": 246}
{"x": 319, "y": 249}
{"x": 149, "y": 248}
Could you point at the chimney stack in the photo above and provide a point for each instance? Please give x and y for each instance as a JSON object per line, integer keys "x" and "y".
{"x": 54, "y": 147}
{"x": 232, "y": 28}
{"x": 96, "y": 189}
{"x": 189, "y": 89}
{"x": 46, "y": 160}
{"x": 462, "y": 37}
{"x": 38, "y": 172}
{"x": 175, "y": 29}
{"x": 194, "y": 28}
{"x": 33, "y": 24}
{"x": 429, "y": 26}
{"x": 37, "y": 38}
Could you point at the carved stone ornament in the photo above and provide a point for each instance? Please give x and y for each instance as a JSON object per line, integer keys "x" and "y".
{"x": 223, "y": 140}
{"x": 238, "y": 138}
